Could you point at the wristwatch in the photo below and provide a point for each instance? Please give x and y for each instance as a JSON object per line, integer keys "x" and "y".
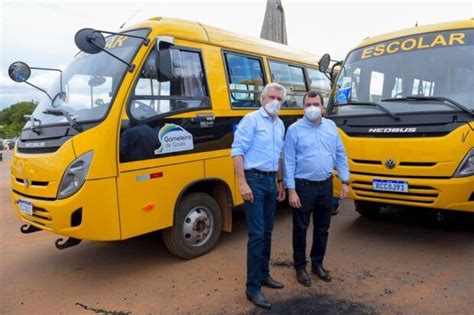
{"x": 348, "y": 183}
{"x": 279, "y": 181}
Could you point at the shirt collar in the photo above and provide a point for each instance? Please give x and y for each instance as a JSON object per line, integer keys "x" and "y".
{"x": 309, "y": 123}
{"x": 263, "y": 112}
{"x": 266, "y": 115}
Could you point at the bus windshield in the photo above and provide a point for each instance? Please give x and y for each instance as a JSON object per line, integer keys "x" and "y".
{"x": 90, "y": 83}
{"x": 439, "y": 64}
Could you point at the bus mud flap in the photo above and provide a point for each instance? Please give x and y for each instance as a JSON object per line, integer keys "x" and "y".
{"x": 68, "y": 243}
{"x": 27, "y": 229}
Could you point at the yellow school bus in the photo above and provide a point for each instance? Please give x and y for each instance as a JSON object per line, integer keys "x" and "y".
{"x": 404, "y": 106}
{"x": 135, "y": 134}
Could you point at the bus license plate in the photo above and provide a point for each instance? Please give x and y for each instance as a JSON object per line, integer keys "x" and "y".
{"x": 26, "y": 207}
{"x": 390, "y": 185}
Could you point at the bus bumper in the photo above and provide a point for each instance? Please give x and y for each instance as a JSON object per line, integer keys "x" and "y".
{"x": 447, "y": 194}
{"x": 92, "y": 213}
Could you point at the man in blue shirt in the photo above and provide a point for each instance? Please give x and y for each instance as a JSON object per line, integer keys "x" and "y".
{"x": 256, "y": 151}
{"x": 312, "y": 150}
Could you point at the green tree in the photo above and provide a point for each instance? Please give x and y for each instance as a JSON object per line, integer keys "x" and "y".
{"x": 12, "y": 118}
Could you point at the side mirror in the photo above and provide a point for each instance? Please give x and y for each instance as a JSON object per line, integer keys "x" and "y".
{"x": 324, "y": 63}
{"x": 89, "y": 41}
{"x": 165, "y": 62}
{"x": 19, "y": 71}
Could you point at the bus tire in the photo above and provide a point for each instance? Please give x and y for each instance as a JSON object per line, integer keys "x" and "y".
{"x": 197, "y": 226}
{"x": 366, "y": 208}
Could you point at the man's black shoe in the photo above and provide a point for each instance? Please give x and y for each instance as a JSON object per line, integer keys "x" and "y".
{"x": 303, "y": 277}
{"x": 326, "y": 270}
{"x": 271, "y": 283}
{"x": 259, "y": 300}
{"x": 321, "y": 273}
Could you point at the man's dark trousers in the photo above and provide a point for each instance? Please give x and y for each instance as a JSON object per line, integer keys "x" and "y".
{"x": 260, "y": 216}
{"x": 316, "y": 199}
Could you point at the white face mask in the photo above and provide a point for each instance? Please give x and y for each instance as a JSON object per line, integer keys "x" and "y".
{"x": 312, "y": 113}
{"x": 272, "y": 107}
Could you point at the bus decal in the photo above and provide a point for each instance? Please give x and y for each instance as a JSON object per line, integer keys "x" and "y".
{"x": 174, "y": 138}
{"x": 424, "y": 41}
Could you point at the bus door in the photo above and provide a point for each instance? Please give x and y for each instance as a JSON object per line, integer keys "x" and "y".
{"x": 156, "y": 150}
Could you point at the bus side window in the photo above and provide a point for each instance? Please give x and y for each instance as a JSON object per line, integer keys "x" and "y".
{"x": 246, "y": 80}
{"x": 186, "y": 89}
{"x": 292, "y": 78}
{"x": 319, "y": 82}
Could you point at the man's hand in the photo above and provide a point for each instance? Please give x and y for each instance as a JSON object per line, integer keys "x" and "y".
{"x": 246, "y": 192}
{"x": 344, "y": 191}
{"x": 294, "y": 200}
{"x": 281, "y": 192}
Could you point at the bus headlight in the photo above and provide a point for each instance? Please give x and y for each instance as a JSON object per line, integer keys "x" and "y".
{"x": 466, "y": 168}
{"x": 75, "y": 175}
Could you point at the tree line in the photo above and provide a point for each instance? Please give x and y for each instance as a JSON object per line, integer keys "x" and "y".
{"x": 12, "y": 118}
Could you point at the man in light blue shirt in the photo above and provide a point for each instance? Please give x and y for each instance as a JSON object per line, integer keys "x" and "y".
{"x": 257, "y": 150}
{"x": 313, "y": 148}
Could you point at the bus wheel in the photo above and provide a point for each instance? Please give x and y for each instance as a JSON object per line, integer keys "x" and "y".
{"x": 197, "y": 226}
{"x": 366, "y": 208}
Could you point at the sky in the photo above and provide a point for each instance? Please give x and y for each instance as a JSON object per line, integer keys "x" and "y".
{"x": 41, "y": 33}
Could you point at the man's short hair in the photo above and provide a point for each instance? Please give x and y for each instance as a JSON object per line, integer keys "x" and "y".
{"x": 313, "y": 93}
{"x": 275, "y": 86}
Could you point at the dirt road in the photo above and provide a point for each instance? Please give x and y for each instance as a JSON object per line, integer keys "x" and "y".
{"x": 401, "y": 262}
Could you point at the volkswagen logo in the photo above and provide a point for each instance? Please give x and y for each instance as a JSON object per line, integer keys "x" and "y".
{"x": 27, "y": 182}
{"x": 390, "y": 163}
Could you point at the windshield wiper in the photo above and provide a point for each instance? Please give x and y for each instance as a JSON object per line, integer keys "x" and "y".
{"x": 383, "y": 108}
{"x": 431, "y": 98}
{"x": 62, "y": 112}
{"x": 35, "y": 128}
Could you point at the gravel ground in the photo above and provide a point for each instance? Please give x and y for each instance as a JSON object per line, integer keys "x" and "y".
{"x": 402, "y": 262}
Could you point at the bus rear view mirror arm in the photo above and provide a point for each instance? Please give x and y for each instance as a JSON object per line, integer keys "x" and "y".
{"x": 20, "y": 72}
{"x": 333, "y": 73}
{"x": 323, "y": 66}
{"x": 92, "y": 41}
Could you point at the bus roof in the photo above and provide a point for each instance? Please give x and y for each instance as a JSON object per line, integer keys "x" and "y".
{"x": 195, "y": 31}
{"x": 418, "y": 30}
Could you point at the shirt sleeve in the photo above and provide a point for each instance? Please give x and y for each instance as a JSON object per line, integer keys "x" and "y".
{"x": 289, "y": 152}
{"x": 283, "y": 133}
{"x": 341, "y": 159}
{"x": 243, "y": 136}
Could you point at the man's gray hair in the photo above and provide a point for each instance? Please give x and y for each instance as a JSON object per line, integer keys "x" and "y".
{"x": 275, "y": 86}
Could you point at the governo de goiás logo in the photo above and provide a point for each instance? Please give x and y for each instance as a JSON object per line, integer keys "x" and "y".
{"x": 174, "y": 138}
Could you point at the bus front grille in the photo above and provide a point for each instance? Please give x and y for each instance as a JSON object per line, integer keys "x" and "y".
{"x": 40, "y": 217}
{"x": 33, "y": 183}
{"x": 416, "y": 193}
{"x": 402, "y": 163}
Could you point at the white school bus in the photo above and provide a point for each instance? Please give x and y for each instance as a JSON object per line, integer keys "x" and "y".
{"x": 404, "y": 106}
{"x": 135, "y": 134}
